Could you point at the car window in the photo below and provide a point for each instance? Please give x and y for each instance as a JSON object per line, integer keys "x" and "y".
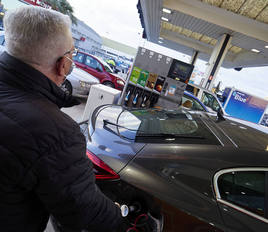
{"x": 2, "y": 40}
{"x": 191, "y": 103}
{"x": 93, "y": 63}
{"x": 152, "y": 125}
{"x": 127, "y": 123}
{"x": 245, "y": 189}
{"x": 210, "y": 101}
{"x": 79, "y": 57}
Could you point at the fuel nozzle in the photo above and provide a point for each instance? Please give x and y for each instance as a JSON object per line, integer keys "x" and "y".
{"x": 124, "y": 210}
{"x": 133, "y": 208}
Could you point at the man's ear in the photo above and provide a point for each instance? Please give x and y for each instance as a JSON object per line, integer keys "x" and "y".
{"x": 60, "y": 67}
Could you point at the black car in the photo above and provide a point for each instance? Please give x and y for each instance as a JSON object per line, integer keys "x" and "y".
{"x": 181, "y": 169}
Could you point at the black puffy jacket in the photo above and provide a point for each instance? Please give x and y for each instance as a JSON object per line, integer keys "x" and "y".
{"x": 43, "y": 166}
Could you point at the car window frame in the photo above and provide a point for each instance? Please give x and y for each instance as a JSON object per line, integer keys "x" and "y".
{"x": 233, "y": 205}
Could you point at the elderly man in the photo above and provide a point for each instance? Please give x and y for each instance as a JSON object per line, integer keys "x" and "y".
{"x": 43, "y": 166}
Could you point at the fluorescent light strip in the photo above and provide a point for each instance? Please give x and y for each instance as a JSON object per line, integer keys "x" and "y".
{"x": 255, "y": 50}
{"x": 167, "y": 10}
{"x": 266, "y": 46}
{"x": 164, "y": 19}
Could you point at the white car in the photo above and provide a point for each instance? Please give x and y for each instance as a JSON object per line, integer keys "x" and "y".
{"x": 2, "y": 41}
{"x": 208, "y": 98}
{"x": 78, "y": 83}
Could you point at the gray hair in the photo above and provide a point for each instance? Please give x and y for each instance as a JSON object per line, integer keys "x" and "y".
{"x": 36, "y": 35}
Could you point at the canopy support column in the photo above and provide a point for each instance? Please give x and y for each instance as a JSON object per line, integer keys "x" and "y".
{"x": 216, "y": 59}
{"x": 194, "y": 57}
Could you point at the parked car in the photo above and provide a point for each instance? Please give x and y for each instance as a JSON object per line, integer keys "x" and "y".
{"x": 2, "y": 41}
{"x": 99, "y": 69}
{"x": 180, "y": 169}
{"x": 78, "y": 83}
{"x": 208, "y": 98}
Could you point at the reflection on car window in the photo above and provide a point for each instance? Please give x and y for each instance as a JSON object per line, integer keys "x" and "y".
{"x": 165, "y": 122}
{"x": 191, "y": 103}
{"x": 245, "y": 189}
{"x": 210, "y": 101}
{"x": 171, "y": 126}
{"x": 79, "y": 57}
{"x": 127, "y": 123}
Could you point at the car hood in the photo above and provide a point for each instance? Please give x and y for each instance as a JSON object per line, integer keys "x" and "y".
{"x": 116, "y": 76}
{"x": 79, "y": 74}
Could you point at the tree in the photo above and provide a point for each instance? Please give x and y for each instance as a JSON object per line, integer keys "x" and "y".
{"x": 62, "y": 6}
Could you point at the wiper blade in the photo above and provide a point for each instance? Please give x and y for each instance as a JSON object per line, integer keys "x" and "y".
{"x": 105, "y": 122}
{"x": 158, "y": 135}
{"x": 164, "y": 135}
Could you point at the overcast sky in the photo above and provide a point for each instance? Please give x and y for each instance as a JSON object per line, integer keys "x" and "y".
{"x": 119, "y": 20}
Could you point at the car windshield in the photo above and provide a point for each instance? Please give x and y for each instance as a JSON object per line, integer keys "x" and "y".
{"x": 106, "y": 66}
{"x": 154, "y": 125}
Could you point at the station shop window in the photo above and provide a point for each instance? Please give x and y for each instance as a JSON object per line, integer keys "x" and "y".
{"x": 245, "y": 189}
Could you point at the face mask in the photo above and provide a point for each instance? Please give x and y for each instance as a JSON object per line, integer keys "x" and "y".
{"x": 71, "y": 68}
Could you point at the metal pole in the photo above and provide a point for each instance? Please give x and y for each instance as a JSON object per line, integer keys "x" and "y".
{"x": 194, "y": 57}
{"x": 218, "y": 54}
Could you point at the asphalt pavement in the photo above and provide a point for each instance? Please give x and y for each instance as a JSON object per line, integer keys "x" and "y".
{"x": 76, "y": 112}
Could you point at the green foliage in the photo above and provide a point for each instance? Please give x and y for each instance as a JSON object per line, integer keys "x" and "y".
{"x": 62, "y": 6}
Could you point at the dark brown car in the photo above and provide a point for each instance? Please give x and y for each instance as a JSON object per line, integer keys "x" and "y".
{"x": 182, "y": 170}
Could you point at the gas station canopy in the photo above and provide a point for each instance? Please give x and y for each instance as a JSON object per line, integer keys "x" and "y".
{"x": 197, "y": 25}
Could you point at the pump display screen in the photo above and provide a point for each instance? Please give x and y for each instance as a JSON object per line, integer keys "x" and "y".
{"x": 180, "y": 70}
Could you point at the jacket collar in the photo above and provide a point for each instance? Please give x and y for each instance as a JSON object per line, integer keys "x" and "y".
{"x": 30, "y": 79}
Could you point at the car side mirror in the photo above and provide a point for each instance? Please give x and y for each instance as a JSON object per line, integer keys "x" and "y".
{"x": 98, "y": 69}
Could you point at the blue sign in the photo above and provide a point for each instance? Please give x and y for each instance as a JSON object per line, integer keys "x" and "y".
{"x": 246, "y": 107}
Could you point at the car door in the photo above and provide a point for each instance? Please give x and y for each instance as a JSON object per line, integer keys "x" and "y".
{"x": 242, "y": 198}
{"x": 94, "y": 67}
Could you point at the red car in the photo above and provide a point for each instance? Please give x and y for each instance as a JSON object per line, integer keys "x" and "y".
{"x": 99, "y": 69}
